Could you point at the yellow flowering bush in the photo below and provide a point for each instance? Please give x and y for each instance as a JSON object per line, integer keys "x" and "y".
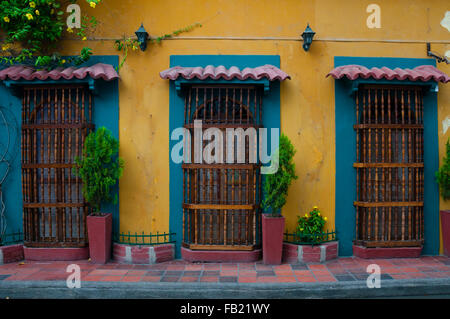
{"x": 310, "y": 226}
{"x": 35, "y": 27}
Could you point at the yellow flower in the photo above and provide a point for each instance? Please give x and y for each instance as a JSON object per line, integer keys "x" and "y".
{"x": 63, "y": 61}
{"x": 32, "y": 4}
{"x": 52, "y": 11}
{"x": 84, "y": 39}
{"x": 6, "y": 19}
{"x": 69, "y": 29}
{"x": 5, "y": 47}
{"x": 92, "y": 4}
{"x": 325, "y": 219}
{"x": 301, "y": 229}
{"x": 315, "y": 207}
{"x": 318, "y": 214}
{"x": 29, "y": 16}
{"x": 37, "y": 12}
{"x": 306, "y": 215}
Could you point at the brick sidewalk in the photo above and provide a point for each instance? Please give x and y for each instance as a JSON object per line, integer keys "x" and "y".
{"x": 342, "y": 269}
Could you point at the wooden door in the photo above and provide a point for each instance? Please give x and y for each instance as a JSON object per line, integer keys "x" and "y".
{"x": 390, "y": 166}
{"x": 221, "y": 200}
{"x": 55, "y": 122}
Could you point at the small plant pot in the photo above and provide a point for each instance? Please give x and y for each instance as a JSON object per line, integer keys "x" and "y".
{"x": 272, "y": 232}
{"x": 445, "y": 223}
{"x": 99, "y": 235}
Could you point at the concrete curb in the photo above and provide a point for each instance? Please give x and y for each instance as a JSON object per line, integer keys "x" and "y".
{"x": 437, "y": 288}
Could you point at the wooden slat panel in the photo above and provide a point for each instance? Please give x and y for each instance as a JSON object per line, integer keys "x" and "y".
{"x": 388, "y": 204}
{"x": 221, "y": 247}
{"x": 389, "y": 167}
{"x": 57, "y": 205}
{"x": 220, "y": 204}
{"x": 221, "y": 166}
{"x": 55, "y": 122}
{"x": 392, "y": 243}
{"x": 58, "y": 126}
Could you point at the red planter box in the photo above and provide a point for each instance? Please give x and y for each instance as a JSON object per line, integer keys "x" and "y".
{"x": 131, "y": 254}
{"x": 100, "y": 233}
{"x": 10, "y": 254}
{"x": 386, "y": 252}
{"x": 445, "y": 223}
{"x": 272, "y": 233}
{"x": 293, "y": 253}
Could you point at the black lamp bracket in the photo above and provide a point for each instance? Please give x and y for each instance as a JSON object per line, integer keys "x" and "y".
{"x": 438, "y": 57}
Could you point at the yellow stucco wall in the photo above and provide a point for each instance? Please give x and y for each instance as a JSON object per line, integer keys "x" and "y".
{"x": 307, "y": 101}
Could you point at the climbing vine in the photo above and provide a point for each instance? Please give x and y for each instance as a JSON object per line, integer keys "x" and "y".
{"x": 126, "y": 44}
{"x": 177, "y": 32}
{"x": 33, "y": 28}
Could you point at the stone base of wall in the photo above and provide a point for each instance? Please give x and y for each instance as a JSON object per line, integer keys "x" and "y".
{"x": 398, "y": 252}
{"x": 308, "y": 254}
{"x": 220, "y": 256}
{"x": 11, "y": 254}
{"x": 131, "y": 254}
{"x": 55, "y": 254}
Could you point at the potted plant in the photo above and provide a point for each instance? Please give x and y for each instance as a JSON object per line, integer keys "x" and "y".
{"x": 99, "y": 168}
{"x": 443, "y": 179}
{"x": 275, "y": 190}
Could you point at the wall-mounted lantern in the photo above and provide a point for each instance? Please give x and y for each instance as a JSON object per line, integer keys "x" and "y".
{"x": 307, "y": 36}
{"x": 142, "y": 37}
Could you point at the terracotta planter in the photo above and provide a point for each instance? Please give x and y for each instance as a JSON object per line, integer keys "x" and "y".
{"x": 99, "y": 234}
{"x": 272, "y": 233}
{"x": 445, "y": 223}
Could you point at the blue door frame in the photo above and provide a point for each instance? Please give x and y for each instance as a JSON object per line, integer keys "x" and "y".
{"x": 345, "y": 117}
{"x": 271, "y": 118}
{"x": 105, "y": 113}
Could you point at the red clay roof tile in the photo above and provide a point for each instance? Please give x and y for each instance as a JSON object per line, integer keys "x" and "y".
{"x": 420, "y": 73}
{"x": 96, "y": 71}
{"x": 220, "y": 72}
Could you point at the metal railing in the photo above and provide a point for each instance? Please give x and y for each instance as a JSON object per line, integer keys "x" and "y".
{"x": 144, "y": 239}
{"x": 310, "y": 239}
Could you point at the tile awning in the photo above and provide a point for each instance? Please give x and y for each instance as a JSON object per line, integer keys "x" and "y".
{"x": 27, "y": 73}
{"x": 270, "y": 72}
{"x": 422, "y": 73}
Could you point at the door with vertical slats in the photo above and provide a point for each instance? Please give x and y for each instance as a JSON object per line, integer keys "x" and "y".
{"x": 389, "y": 166}
{"x": 221, "y": 200}
{"x": 55, "y": 122}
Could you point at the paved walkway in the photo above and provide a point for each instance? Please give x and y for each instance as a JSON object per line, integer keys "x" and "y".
{"x": 342, "y": 269}
{"x": 341, "y": 278}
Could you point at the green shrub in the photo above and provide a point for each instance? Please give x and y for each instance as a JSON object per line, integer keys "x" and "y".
{"x": 100, "y": 167}
{"x": 443, "y": 175}
{"x": 276, "y": 185}
{"x": 310, "y": 227}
